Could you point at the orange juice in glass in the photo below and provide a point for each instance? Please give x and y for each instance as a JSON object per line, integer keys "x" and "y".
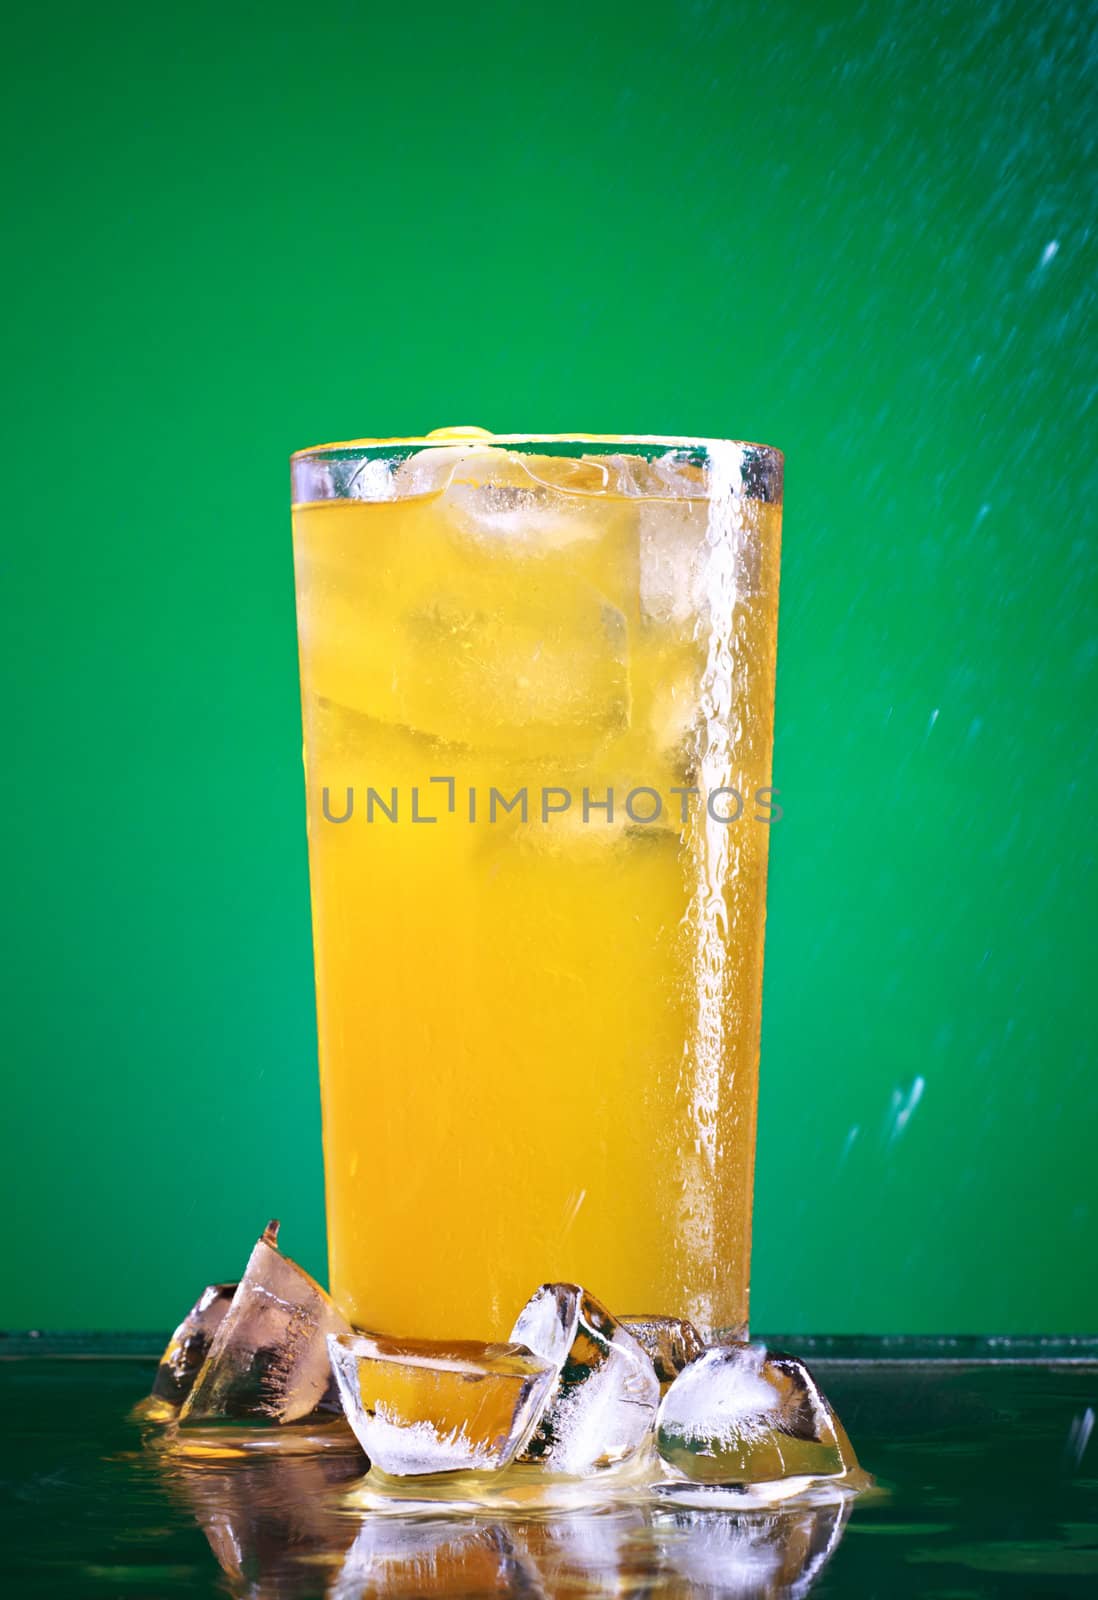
{"x": 537, "y": 686}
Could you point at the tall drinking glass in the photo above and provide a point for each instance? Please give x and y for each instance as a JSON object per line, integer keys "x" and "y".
{"x": 537, "y": 684}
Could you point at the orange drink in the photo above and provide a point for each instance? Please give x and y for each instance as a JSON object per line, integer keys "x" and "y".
{"x": 537, "y": 686}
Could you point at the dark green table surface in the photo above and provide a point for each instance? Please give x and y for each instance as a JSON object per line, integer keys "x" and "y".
{"x": 983, "y": 1451}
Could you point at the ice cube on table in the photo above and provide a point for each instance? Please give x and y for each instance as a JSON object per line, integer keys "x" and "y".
{"x": 421, "y": 1406}
{"x": 189, "y": 1345}
{"x": 671, "y": 1343}
{"x": 606, "y": 1392}
{"x": 743, "y": 1414}
{"x": 268, "y": 1360}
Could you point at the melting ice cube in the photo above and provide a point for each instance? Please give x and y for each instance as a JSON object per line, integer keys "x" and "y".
{"x": 431, "y": 470}
{"x": 527, "y": 504}
{"x": 670, "y": 1342}
{"x": 673, "y": 561}
{"x": 606, "y": 1390}
{"x": 743, "y": 1414}
{"x": 189, "y": 1345}
{"x": 268, "y": 1360}
{"x": 460, "y": 647}
{"x": 424, "y": 1406}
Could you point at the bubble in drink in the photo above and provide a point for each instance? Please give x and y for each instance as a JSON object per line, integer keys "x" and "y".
{"x": 605, "y": 1395}
{"x": 671, "y": 1343}
{"x": 268, "y": 1360}
{"x": 189, "y": 1345}
{"x": 421, "y": 1406}
{"x": 743, "y": 1414}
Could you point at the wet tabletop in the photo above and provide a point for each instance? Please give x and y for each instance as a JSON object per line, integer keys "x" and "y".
{"x": 988, "y": 1476}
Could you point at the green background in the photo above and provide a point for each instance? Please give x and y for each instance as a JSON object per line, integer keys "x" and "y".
{"x": 862, "y": 232}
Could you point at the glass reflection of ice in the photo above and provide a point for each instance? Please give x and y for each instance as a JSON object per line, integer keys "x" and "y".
{"x": 282, "y": 1526}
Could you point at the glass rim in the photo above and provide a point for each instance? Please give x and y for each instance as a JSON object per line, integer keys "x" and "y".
{"x": 455, "y": 439}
